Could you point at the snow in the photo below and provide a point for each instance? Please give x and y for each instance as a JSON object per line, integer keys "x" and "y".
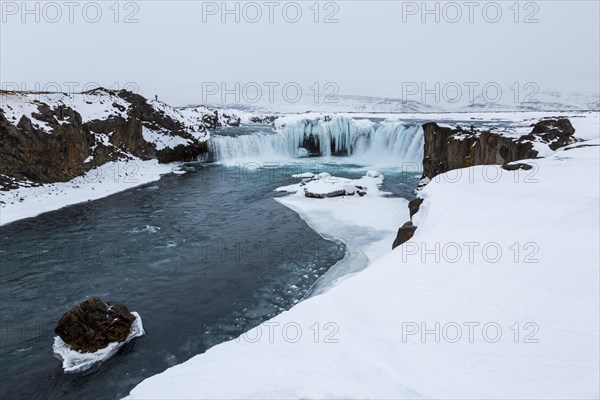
{"x": 304, "y": 175}
{"x": 163, "y": 139}
{"x": 340, "y": 103}
{"x": 75, "y": 361}
{"x": 98, "y": 104}
{"x": 390, "y": 330}
{"x": 110, "y": 178}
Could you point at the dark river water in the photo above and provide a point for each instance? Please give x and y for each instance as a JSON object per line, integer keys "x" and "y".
{"x": 202, "y": 257}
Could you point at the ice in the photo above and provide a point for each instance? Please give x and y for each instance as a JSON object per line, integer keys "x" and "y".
{"x": 301, "y": 152}
{"x": 75, "y": 361}
{"x": 392, "y": 141}
{"x": 304, "y": 175}
{"x": 147, "y": 228}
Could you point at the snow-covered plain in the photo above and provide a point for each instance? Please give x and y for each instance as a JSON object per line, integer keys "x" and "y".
{"x": 496, "y": 296}
{"x": 420, "y": 102}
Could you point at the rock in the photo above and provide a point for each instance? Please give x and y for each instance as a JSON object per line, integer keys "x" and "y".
{"x": 361, "y": 193}
{"x": 323, "y": 195}
{"x": 93, "y": 324}
{"x": 413, "y": 206}
{"x": 405, "y": 233}
{"x": 555, "y": 132}
{"x": 558, "y": 125}
{"x": 263, "y": 119}
{"x": 53, "y": 144}
{"x": 312, "y": 145}
{"x": 517, "y": 166}
{"x": 446, "y": 149}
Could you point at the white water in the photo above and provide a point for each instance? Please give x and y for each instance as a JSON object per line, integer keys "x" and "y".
{"x": 368, "y": 142}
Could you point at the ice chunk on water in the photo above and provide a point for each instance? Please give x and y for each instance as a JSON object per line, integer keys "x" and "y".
{"x": 147, "y": 228}
{"x": 74, "y": 361}
{"x": 304, "y": 175}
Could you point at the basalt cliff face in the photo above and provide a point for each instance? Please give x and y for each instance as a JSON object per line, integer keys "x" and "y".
{"x": 53, "y": 137}
{"x": 446, "y": 149}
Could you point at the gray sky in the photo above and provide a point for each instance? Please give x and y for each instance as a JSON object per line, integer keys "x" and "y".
{"x": 373, "y": 49}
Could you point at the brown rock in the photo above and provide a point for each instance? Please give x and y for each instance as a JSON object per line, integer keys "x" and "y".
{"x": 405, "y": 233}
{"x": 413, "y": 206}
{"x": 93, "y": 324}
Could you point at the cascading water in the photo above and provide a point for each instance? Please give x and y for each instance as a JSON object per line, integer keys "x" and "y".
{"x": 363, "y": 139}
{"x": 392, "y": 141}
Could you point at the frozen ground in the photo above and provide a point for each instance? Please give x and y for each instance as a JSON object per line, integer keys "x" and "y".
{"x": 496, "y": 296}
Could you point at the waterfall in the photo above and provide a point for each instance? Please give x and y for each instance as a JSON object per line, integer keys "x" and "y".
{"x": 393, "y": 141}
{"x": 326, "y": 136}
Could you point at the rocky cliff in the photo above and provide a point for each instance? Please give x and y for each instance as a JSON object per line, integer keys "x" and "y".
{"x": 448, "y": 148}
{"x": 51, "y": 137}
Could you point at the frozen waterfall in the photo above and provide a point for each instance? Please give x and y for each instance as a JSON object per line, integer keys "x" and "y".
{"x": 361, "y": 139}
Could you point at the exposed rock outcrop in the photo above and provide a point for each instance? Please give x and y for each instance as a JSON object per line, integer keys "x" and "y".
{"x": 93, "y": 324}
{"x": 446, "y": 149}
{"x": 49, "y": 140}
{"x": 413, "y": 206}
{"x": 405, "y": 233}
{"x": 517, "y": 166}
{"x": 263, "y": 119}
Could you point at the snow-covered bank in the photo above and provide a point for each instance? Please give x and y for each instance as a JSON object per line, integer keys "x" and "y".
{"x": 496, "y": 296}
{"x": 110, "y": 178}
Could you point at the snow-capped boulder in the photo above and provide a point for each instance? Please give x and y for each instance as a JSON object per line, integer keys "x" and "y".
{"x": 92, "y": 325}
{"x": 350, "y": 189}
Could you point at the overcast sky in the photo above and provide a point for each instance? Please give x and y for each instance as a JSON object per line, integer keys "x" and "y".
{"x": 372, "y": 49}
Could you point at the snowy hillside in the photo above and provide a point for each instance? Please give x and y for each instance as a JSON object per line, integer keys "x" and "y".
{"x": 489, "y": 299}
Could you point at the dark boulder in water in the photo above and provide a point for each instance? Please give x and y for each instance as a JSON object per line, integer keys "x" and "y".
{"x": 93, "y": 324}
